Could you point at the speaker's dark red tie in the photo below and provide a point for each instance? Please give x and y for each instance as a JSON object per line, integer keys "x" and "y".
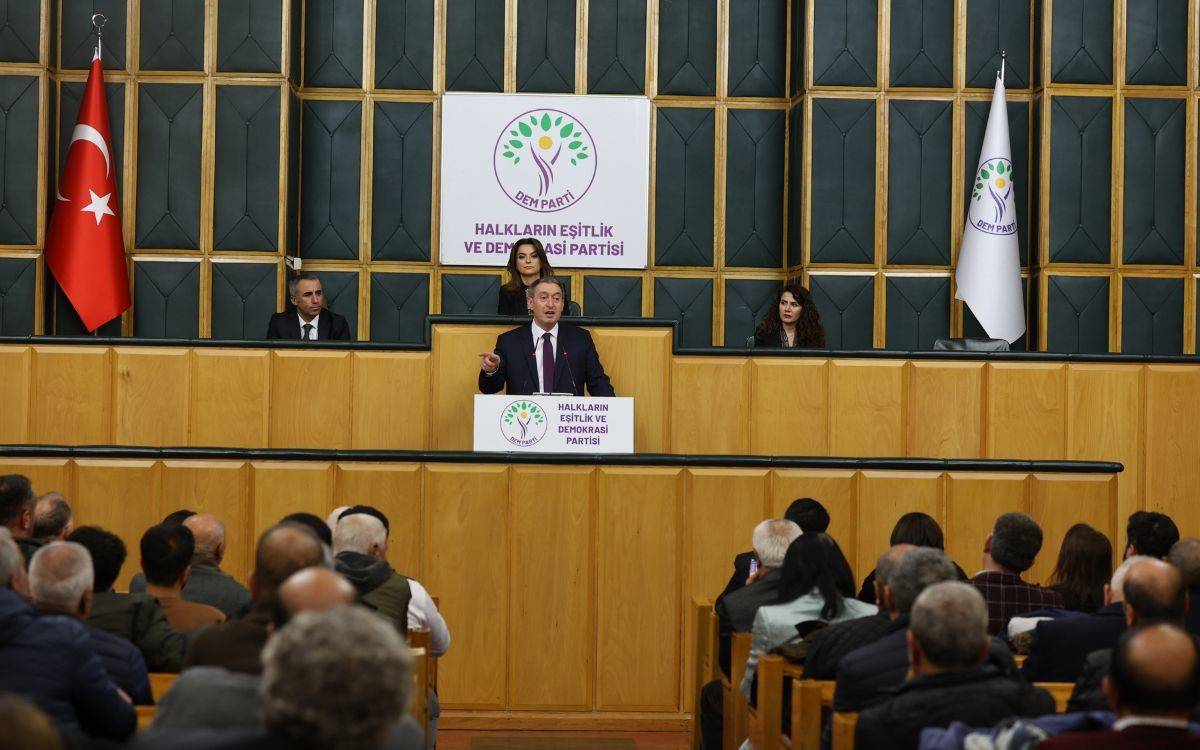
{"x": 547, "y": 363}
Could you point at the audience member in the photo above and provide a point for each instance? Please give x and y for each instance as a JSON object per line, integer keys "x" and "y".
{"x": 1008, "y": 552}
{"x": 815, "y": 584}
{"x": 335, "y": 679}
{"x": 1059, "y": 646}
{"x": 1153, "y": 592}
{"x": 207, "y": 584}
{"x": 869, "y": 674}
{"x": 948, "y": 648}
{"x": 25, "y": 726}
{"x": 827, "y": 646}
{"x": 52, "y": 519}
{"x": 1153, "y": 686}
{"x": 735, "y": 613}
{"x": 360, "y": 547}
{"x": 1150, "y": 534}
{"x": 319, "y": 527}
{"x": 16, "y": 511}
{"x": 60, "y": 581}
{"x": 212, "y": 697}
{"x": 135, "y": 617}
{"x": 808, "y": 514}
{"x": 48, "y": 660}
{"x": 166, "y": 561}
{"x": 1185, "y": 555}
{"x": 237, "y": 644}
{"x": 1082, "y": 570}
{"x": 917, "y": 530}
{"x": 179, "y": 516}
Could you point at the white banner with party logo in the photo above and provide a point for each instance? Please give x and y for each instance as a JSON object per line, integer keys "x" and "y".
{"x": 572, "y": 171}
{"x": 553, "y": 424}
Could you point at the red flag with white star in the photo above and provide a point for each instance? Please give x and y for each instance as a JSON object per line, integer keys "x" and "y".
{"x": 84, "y": 246}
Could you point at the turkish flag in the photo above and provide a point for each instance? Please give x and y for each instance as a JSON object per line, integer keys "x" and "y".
{"x": 84, "y": 246}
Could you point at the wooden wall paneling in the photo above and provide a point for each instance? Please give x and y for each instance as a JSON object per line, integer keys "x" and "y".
{"x": 15, "y": 393}
{"x": 466, "y": 567}
{"x": 72, "y": 395}
{"x": 280, "y": 488}
{"x": 944, "y": 409}
{"x": 1059, "y": 501}
{"x": 836, "y": 490}
{"x": 218, "y": 487}
{"x": 866, "y": 402}
{"x": 45, "y": 474}
{"x": 389, "y": 401}
{"x": 1026, "y": 410}
{"x": 789, "y": 407}
{"x": 310, "y": 399}
{"x": 1104, "y": 423}
{"x": 1172, "y": 452}
{"x": 973, "y": 501}
{"x": 884, "y": 496}
{"x": 151, "y": 396}
{"x": 395, "y": 489}
{"x": 231, "y": 394}
{"x": 455, "y": 362}
{"x": 118, "y": 496}
{"x": 551, "y": 633}
{"x": 638, "y": 589}
{"x": 710, "y": 405}
{"x": 638, "y": 361}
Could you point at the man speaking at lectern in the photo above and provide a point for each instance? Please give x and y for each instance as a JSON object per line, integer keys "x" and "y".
{"x": 545, "y": 356}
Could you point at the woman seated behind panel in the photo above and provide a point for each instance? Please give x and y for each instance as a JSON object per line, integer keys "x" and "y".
{"x": 792, "y": 321}
{"x": 527, "y": 262}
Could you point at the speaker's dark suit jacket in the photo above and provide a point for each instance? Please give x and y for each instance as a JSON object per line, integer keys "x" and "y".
{"x": 1059, "y": 647}
{"x": 330, "y": 326}
{"x": 576, "y": 364}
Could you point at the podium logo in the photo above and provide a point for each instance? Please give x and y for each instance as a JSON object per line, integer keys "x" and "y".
{"x": 523, "y": 423}
{"x": 993, "y": 209}
{"x": 545, "y": 160}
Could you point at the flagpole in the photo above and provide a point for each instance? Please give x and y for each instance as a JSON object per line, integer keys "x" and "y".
{"x": 98, "y": 21}
{"x": 1003, "y": 60}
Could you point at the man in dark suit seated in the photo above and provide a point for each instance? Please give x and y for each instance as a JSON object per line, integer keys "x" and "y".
{"x": 310, "y": 321}
{"x": 808, "y": 514}
{"x": 1060, "y": 646}
{"x": 1149, "y": 533}
{"x": 1153, "y": 686}
{"x": 1153, "y": 593}
{"x": 1185, "y": 556}
{"x": 951, "y": 680}
{"x": 545, "y": 356}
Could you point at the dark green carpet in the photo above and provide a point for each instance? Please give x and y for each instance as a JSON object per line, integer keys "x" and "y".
{"x": 550, "y": 743}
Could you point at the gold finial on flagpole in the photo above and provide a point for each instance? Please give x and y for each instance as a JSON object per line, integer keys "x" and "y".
{"x": 1003, "y": 60}
{"x": 98, "y": 21}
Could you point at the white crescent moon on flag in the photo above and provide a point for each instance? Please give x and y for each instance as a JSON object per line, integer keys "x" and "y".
{"x": 91, "y": 135}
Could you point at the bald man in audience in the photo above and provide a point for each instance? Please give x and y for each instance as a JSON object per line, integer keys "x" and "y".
{"x": 1185, "y": 555}
{"x": 1153, "y": 685}
{"x": 207, "y": 583}
{"x": 60, "y": 582}
{"x": 1154, "y": 593}
{"x": 213, "y": 697}
{"x": 52, "y": 518}
{"x": 282, "y": 550}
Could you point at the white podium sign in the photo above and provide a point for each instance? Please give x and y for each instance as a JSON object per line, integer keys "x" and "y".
{"x": 553, "y": 424}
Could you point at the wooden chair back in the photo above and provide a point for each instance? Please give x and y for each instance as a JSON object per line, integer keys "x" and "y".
{"x": 160, "y": 683}
{"x": 1060, "y": 691}
{"x": 809, "y": 699}
{"x": 145, "y": 715}
{"x": 704, "y": 657}
{"x": 844, "y": 723}
{"x": 736, "y": 710}
{"x": 425, "y": 669}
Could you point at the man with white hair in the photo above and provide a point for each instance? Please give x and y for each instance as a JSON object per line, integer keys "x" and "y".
{"x": 360, "y": 543}
{"x": 48, "y": 661}
{"x": 1060, "y": 646}
{"x": 52, "y": 517}
{"x": 207, "y": 583}
{"x": 950, "y": 679}
{"x": 60, "y": 582}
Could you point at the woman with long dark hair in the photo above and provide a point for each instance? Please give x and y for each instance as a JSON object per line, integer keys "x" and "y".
{"x": 919, "y": 530}
{"x": 1084, "y": 566}
{"x": 527, "y": 262}
{"x": 815, "y": 584}
{"x": 791, "y": 321}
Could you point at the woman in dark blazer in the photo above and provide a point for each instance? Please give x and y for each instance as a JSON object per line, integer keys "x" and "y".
{"x": 792, "y": 321}
{"x": 527, "y": 262}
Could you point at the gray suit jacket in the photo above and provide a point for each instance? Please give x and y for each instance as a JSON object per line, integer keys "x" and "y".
{"x": 209, "y": 585}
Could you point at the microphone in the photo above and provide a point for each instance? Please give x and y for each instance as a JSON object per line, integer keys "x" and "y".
{"x": 569, "y": 369}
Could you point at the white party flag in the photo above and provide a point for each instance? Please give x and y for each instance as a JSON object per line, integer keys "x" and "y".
{"x": 989, "y": 262}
